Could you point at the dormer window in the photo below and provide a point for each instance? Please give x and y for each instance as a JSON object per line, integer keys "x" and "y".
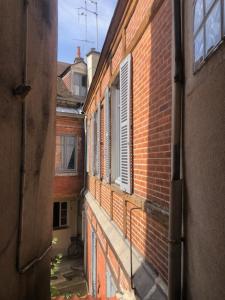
{"x": 208, "y": 20}
{"x": 79, "y": 87}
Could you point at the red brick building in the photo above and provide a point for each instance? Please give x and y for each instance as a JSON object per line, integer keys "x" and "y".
{"x": 128, "y": 118}
{"x": 69, "y": 163}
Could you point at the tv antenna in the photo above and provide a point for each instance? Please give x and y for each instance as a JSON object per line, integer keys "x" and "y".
{"x": 84, "y": 11}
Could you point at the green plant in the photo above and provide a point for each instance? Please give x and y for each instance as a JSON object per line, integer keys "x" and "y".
{"x": 54, "y": 267}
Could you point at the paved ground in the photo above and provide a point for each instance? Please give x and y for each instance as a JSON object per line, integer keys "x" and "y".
{"x": 70, "y": 278}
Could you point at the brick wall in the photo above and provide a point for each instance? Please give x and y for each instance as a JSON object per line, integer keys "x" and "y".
{"x": 68, "y": 186}
{"x": 148, "y": 38}
{"x": 105, "y": 257}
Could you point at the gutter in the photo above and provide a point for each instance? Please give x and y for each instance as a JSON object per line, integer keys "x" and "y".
{"x": 176, "y": 197}
{"x": 131, "y": 249}
{"x": 85, "y": 156}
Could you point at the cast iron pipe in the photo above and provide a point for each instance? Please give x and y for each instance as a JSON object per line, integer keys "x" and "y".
{"x": 131, "y": 250}
{"x": 176, "y": 199}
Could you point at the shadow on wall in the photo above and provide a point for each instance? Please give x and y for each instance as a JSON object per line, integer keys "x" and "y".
{"x": 152, "y": 182}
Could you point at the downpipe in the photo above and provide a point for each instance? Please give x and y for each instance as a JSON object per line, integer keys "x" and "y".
{"x": 176, "y": 199}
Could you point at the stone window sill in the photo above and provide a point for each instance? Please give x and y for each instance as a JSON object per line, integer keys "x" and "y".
{"x": 67, "y": 174}
{"x": 60, "y": 228}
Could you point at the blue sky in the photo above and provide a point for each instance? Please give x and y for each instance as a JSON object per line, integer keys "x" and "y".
{"x": 71, "y": 27}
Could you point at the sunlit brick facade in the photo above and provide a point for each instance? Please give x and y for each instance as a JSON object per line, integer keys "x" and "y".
{"x": 130, "y": 168}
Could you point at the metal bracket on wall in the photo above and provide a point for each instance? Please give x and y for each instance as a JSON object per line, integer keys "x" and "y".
{"x": 34, "y": 261}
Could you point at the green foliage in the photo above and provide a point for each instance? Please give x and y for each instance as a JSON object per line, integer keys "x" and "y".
{"x": 55, "y": 262}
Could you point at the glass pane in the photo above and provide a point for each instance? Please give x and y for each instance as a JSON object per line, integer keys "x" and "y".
{"x": 77, "y": 79}
{"x": 77, "y": 84}
{"x": 213, "y": 27}
{"x": 208, "y": 4}
{"x": 199, "y": 46}
{"x": 64, "y": 205}
{"x": 70, "y": 153}
{"x": 63, "y": 213}
{"x": 198, "y": 16}
{"x": 56, "y": 215}
{"x": 84, "y": 80}
{"x": 59, "y": 153}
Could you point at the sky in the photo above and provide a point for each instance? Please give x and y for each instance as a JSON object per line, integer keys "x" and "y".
{"x": 71, "y": 27}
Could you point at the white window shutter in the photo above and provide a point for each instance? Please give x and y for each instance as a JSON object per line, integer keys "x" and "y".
{"x": 93, "y": 145}
{"x": 98, "y": 146}
{"x": 107, "y": 137}
{"x": 87, "y": 144}
{"x": 125, "y": 124}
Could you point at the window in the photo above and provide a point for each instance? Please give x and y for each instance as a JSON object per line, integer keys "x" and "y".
{"x": 208, "y": 33}
{"x": 115, "y": 131}
{"x": 111, "y": 287}
{"x": 66, "y": 153}
{"x": 118, "y": 129}
{"x": 79, "y": 84}
{"x": 94, "y": 142}
{"x": 60, "y": 215}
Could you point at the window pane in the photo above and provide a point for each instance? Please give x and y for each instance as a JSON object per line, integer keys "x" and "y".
{"x": 59, "y": 153}
{"x": 64, "y": 205}
{"x": 208, "y": 4}
{"x": 199, "y": 46}
{"x": 70, "y": 153}
{"x": 77, "y": 84}
{"x": 63, "y": 213}
{"x": 84, "y": 80}
{"x": 198, "y": 14}
{"x": 213, "y": 27}
{"x": 77, "y": 79}
{"x": 56, "y": 215}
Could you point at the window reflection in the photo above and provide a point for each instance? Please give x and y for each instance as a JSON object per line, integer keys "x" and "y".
{"x": 199, "y": 46}
{"x": 213, "y": 28}
{"x": 66, "y": 153}
{"x": 207, "y": 27}
{"x": 208, "y": 4}
{"x": 198, "y": 14}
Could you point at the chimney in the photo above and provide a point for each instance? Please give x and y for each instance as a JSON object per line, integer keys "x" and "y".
{"x": 78, "y": 57}
{"x": 92, "y": 62}
{"x": 78, "y": 52}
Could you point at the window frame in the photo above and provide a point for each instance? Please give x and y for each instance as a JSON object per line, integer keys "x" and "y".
{"x": 115, "y": 132}
{"x": 82, "y": 88}
{"x": 64, "y": 170}
{"x": 60, "y": 215}
{"x": 202, "y": 26}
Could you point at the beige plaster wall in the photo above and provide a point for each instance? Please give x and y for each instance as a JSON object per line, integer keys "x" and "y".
{"x": 204, "y": 170}
{"x": 36, "y": 212}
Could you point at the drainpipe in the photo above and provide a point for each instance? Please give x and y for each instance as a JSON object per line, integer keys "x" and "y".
{"x": 85, "y": 156}
{"x": 176, "y": 199}
{"x": 131, "y": 248}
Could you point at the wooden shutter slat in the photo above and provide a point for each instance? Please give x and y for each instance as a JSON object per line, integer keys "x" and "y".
{"x": 107, "y": 137}
{"x": 93, "y": 144}
{"x": 98, "y": 158}
{"x": 125, "y": 130}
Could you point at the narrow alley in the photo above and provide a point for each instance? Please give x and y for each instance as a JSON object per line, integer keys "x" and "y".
{"x": 112, "y": 150}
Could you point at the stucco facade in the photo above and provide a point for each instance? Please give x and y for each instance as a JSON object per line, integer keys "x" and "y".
{"x": 27, "y": 122}
{"x": 204, "y": 169}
